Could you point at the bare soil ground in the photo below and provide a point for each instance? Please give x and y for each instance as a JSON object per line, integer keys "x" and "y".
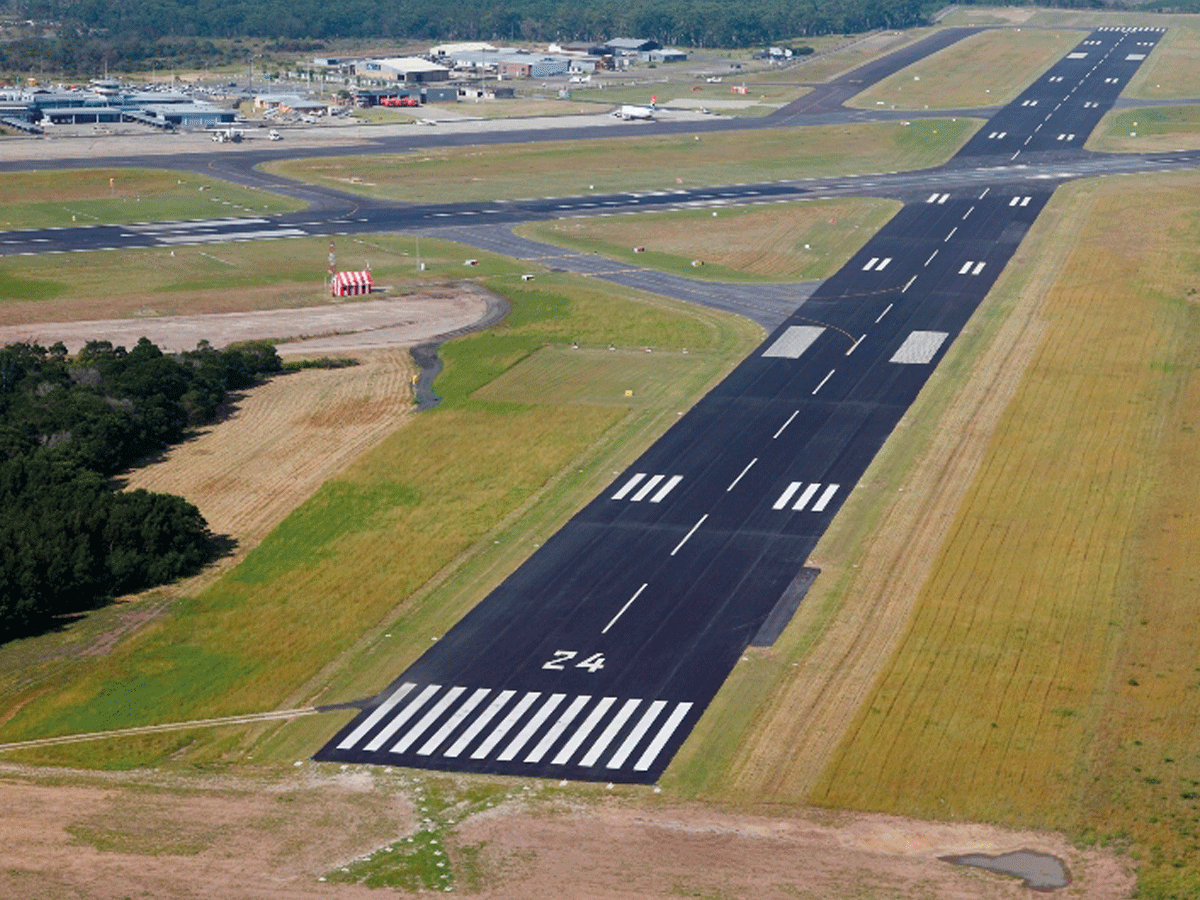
{"x": 104, "y": 837}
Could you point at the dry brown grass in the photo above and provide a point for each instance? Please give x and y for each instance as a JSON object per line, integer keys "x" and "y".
{"x": 1044, "y": 677}
{"x": 281, "y": 441}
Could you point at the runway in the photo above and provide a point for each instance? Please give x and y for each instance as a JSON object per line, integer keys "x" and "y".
{"x": 595, "y": 659}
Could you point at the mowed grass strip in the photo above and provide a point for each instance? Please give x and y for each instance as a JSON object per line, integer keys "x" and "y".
{"x": 47, "y": 199}
{"x": 367, "y": 539}
{"x": 776, "y": 242}
{"x": 1046, "y": 678}
{"x": 1147, "y": 129}
{"x": 986, "y": 69}
{"x": 451, "y": 174}
{"x": 1170, "y": 71}
{"x": 233, "y": 277}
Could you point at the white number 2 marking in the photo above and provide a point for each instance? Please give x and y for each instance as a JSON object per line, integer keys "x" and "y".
{"x": 593, "y": 663}
{"x": 560, "y": 657}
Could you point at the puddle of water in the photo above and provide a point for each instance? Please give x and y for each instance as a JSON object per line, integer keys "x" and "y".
{"x": 1040, "y": 871}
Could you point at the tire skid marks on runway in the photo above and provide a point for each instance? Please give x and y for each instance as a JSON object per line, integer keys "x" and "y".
{"x": 615, "y": 733}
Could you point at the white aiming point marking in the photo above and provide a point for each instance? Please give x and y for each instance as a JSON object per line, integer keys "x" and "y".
{"x": 919, "y": 347}
{"x": 793, "y": 342}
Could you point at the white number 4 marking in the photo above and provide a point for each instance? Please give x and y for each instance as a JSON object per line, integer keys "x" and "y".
{"x": 593, "y": 663}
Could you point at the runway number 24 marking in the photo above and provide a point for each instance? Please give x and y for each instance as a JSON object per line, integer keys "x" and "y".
{"x": 593, "y": 663}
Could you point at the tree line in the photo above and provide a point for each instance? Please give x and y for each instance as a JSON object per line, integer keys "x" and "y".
{"x": 69, "y": 540}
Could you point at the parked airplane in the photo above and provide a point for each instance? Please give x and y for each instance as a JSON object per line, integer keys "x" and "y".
{"x": 274, "y": 135}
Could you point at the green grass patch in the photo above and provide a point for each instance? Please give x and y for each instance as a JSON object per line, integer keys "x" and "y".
{"x": 635, "y": 163}
{"x": 774, "y": 242}
{"x": 373, "y": 536}
{"x": 225, "y": 277}
{"x": 106, "y": 196}
{"x": 986, "y": 69}
{"x": 1147, "y": 129}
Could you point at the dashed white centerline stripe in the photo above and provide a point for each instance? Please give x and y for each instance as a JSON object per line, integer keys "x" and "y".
{"x": 823, "y": 380}
{"x": 904, "y": 289}
{"x": 733, "y": 483}
{"x": 789, "y": 421}
{"x": 931, "y": 256}
{"x": 638, "y": 592}
{"x": 855, "y": 344}
{"x": 889, "y": 306}
{"x": 673, "y": 552}
{"x": 968, "y": 212}
{"x": 950, "y": 235}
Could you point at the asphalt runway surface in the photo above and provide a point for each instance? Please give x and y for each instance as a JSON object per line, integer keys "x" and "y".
{"x": 595, "y": 659}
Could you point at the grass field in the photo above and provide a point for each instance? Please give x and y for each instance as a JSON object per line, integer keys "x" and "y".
{"x": 1170, "y": 72}
{"x": 1046, "y": 674}
{"x": 775, "y": 242}
{"x": 104, "y": 196}
{"x": 1149, "y": 129}
{"x": 986, "y": 69}
{"x": 648, "y": 163}
{"x": 225, "y": 278}
{"x": 403, "y": 511}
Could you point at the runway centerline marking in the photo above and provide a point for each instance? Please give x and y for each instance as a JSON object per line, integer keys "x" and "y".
{"x": 788, "y": 422}
{"x": 931, "y": 256}
{"x": 673, "y": 552}
{"x": 855, "y": 344}
{"x": 903, "y": 290}
{"x": 823, "y": 380}
{"x": 733, "y": 483}
{"x": 637, "y": 593}
{"x": 889, "y": 307}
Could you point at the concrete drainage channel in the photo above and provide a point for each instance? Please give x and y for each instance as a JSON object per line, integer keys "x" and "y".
{"x": 1040, "y": 871}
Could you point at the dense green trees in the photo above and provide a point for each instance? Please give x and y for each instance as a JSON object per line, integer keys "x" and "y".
{"x": 137, "y": 33}
{"x": 68, "y": 540}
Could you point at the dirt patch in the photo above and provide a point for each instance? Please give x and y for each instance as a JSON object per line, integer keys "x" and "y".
{"x": 98, "y": 837}
{"x": 392, "y": 322}
{"x": 619, "y": 852}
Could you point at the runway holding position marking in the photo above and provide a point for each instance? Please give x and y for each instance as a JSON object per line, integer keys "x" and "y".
{"x": 595, "y": 658}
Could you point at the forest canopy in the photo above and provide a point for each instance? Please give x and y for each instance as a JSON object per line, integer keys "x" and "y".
{"x": 68, "y": 539}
